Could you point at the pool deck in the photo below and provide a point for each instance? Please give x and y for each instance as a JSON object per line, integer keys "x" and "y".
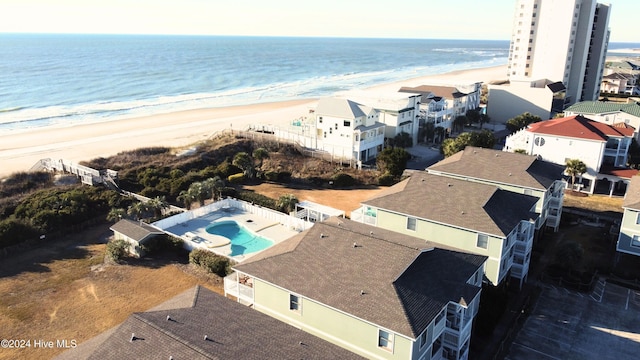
{"x": 193, "y": 231}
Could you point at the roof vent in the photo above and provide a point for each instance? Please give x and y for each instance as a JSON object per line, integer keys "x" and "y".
{"x": 509, "y": 174}
{"x": 355, "y": 245}
{"x": 133, "y": 337}
{"x": 462, "y": 212}
{"x": 206, "y": 338}
{"x": 362, "y": 292}
{"x": 168, "y": 317}
{"x": 321, "y": 235}
{"x": 497, "y": 155}
{"x": 449, "y": 184}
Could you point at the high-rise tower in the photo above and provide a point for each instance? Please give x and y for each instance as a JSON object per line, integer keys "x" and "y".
{"x": 560, "y": 41}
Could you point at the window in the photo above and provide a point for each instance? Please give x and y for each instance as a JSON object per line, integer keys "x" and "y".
{"x": 637, "y": 217}
{"x": 347, "y": 123}
{"x": 294, "y": 303}
{"x": 385, "y": 339}
{"x": 336, "y": 126}
{"x": 483, "y": 241}
{"x": 411, "y": 224}
{"x": 423, "y": 338}
{"x": 320, "y": 119}
{"x": 437, "y": 345}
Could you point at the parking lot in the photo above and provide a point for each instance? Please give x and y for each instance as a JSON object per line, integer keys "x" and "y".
{"x": 565, "y": 324}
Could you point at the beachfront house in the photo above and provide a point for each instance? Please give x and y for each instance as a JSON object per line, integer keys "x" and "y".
{"x": 420, "y": 304}
{"x": 135, "y": 234}
{"x": 602, "y": 148}
{"x": 472, "y": 216}
{"x": 348, "y": 129}
{"x": 620, "y": 83}
{"x": 200, "y": 324}
{"x": 399, "y": 112}
{"x": 629, "y": 238}
{"x": 441, "y": 104}
{"x": 523, "y": 174}
{"x": 608, "y": 112}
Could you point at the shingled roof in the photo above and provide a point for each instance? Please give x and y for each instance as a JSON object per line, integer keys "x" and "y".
{"x": 603, "y": 107}
{"x": 135, "y": 230}
{"x": 578, "y": 126}
{"x": 632, "y": 197}
{"x": 233, "y": 331}
{"x": 389, "y": 279}
{"x": 499, "y": 167}
{"x": 464, "y": 204}
{"x": 341, "y": 108}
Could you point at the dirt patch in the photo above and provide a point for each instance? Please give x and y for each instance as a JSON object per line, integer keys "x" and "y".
{"x": 65, "y": 292}
{"x": 343, "y": 199}
{"x": 599, "y": 203}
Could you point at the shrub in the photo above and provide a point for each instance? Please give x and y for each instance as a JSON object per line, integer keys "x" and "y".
{"x": 163, "y": 243}
{"x": 236, "y": 178}
{"x": 213, "y": 263}
{"x": 342, "y": 180}
{"x": 386, "y": 179}
{"x": 117, "y": 249}
{"x": 257, "y": 199}
{"x": 14, "y": 231}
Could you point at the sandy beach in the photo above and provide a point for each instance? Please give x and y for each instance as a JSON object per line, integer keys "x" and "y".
{"x": 20, "y": 150}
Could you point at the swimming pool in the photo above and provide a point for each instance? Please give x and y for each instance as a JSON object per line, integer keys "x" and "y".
{"x": 243, "y": 241}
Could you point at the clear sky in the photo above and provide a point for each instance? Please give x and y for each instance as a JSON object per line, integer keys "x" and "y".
{"x": 452, "y": 19}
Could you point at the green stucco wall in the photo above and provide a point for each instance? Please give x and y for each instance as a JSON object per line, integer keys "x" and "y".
{"x": 336, "y": 327}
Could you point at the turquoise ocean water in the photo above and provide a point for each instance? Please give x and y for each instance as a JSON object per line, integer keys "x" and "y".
{"x": 70, "y": 79}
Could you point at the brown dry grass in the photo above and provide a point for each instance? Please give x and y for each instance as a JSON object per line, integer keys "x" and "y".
{"x": 67, "y": 292}
{"x": 600, "y": 203}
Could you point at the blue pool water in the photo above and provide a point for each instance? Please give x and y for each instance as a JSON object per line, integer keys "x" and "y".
{"x": 243, "y": 241}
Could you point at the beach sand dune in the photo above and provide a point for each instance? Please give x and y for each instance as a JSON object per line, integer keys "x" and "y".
{"x": 20, "y": 150}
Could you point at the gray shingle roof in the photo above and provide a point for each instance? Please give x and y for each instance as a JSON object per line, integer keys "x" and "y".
{"x": 500, "y": 167}
{"x": 405, "y": 286}
{"x": 341, "y": 108}
{"x": 134, "y": 230}
{"x": 632, "y": 197}
{"x": 234, "y": 331}
{"x": 465, "y": 204}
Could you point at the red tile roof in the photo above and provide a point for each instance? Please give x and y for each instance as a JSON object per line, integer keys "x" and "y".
{"x": 578, "y": 126}
{"x": 619, "y": 172}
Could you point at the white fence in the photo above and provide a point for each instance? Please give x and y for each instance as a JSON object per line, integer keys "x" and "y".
{"x": 289, "y": 221}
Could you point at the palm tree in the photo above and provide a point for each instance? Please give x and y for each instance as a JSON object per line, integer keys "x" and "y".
{"x": 185, "y": 198}
{"x": 244, "y": 162}
{"x": 439, "y": 133}
{"x": 213, "y": 186}
{"x": 260, "y": 154}
{"x": 137, "y": 210}
{"x": 156, "y": 205}
{"x": 116, "y": 214}
{"x": 575, "y": 167}
{"x": 287, "y": 203}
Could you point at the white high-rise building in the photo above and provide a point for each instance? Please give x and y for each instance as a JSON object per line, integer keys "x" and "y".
{"x": 554, "y": 42}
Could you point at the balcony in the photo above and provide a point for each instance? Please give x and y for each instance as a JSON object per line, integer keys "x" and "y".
{"x": 240, "y": 287}
{"x": 365, "y": 215}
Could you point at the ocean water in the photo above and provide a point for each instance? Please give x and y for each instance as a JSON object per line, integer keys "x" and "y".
{"x": 69, "y": 79}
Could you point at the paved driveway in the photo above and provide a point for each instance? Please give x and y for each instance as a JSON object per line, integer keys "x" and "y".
{"x": 570, "y": 325}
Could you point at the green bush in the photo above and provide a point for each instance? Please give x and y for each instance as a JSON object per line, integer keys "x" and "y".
{"x": 162, "y": 243}
{"x": 279, "y": 176}
{"x": 257, "y": 199}
{"x": 386, "y": 179}
{"x": 343, "y": 180}
{"x": 14, "y": 231}
{"x": 213, "y": 263}
{"x": 117, "y": 249}
{"x": 236, "y": 178}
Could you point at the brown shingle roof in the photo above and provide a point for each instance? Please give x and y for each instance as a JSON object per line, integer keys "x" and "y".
{"x": 500, "y": 167}
{"x": 632, "y": 197}
{"x": 233, "y": 331}
{"x": 465, "y": 204}
{"x": 134, "y": 230}
{"x": 387, "y": 278}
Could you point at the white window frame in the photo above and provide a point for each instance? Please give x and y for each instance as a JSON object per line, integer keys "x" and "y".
{"x": 486, "y": 242}
{"x": 388, "y": 340}
{"x": 415, "y": 223}
{"x": 638, "y": 218}
{"x": 635, "y": 241}
{"x": 423, "y": 338}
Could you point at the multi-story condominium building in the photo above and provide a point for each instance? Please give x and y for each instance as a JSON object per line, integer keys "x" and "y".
{"x": 519, "y": 173}
{"x": 399, "y": 112}
{"x": 620, "y": 83}
{"x": 348, "y": 129}
{"x": 607, "y": 112}
{"x": 441, "y": 104}
{"x": 200, "y": 324}
{"x": 467, "y": 215}
{"x": 377, "y": 293}
{"x": 629, "y": 238}
{"x": 555, "y": 41}
{"x": 602, "y": 148}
